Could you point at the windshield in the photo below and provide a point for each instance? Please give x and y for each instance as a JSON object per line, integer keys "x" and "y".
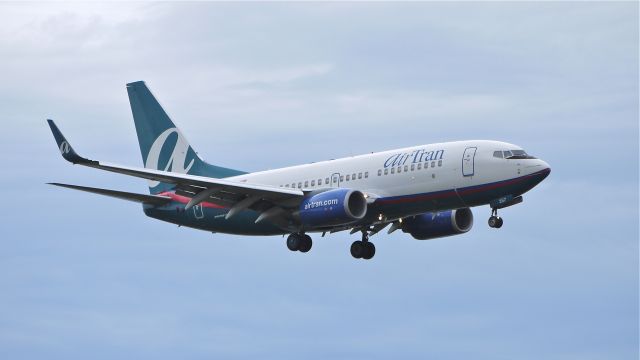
{"x": 512, "y": 154}
{"x": 517, "y": 154}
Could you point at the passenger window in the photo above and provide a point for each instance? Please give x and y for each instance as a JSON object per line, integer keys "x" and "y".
{"x": 386, "y": 171}
{"x": 341, "y": 178}
{"x": 359, "y": 176}
{"x": 313, "y": 183}
{"x": 439, "y": 162}
{"x": 299, "y": 185}
{"x": 393, "y": 170}
{"x": 326, "y": 181}
{"x": 413, "y": 167}
{"x": 286, "y": 185}
{"x": 348, "y": 177}
{"x": 366, "y": 174}
{"x": 406, "y": 168}
{"x": 399, "y": 169}
{"x": 433, "y": 164}
{"x": 497, "y": 154}
{"x": 353, "y": 177}
{"x": 426, "y": 165}
{"x": 306, "y": 183}
{"x": 379, "y": 172}
{"x": 419, "y": 166}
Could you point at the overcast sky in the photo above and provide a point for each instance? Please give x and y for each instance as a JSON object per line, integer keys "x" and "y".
{"x": 258, "y": 86}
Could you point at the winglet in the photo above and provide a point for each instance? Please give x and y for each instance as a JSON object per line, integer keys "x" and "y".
{"x": 65, "y": 148}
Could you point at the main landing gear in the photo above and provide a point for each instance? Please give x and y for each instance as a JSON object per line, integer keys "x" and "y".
{"x": 299, "y": 242}
{"x": 495, "y": 221}
{"x": 363, "y": 249}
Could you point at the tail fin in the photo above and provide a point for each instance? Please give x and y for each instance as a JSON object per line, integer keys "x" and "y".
{"x": 162, "y": 145}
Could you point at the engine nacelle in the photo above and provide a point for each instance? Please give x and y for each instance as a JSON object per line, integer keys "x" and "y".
{"x": 439, "y": 224}
{"x": 333, "y": 207}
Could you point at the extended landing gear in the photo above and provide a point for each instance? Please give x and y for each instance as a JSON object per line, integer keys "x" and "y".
{"x": 363, "y": 249}
{"x": 495, "y": 221}
{"x": 299, "y": 242}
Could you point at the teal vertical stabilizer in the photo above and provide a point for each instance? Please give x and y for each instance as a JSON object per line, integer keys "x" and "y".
{"x": 162, "y": 144}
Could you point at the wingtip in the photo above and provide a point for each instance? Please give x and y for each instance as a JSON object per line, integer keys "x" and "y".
{"x": 63, "y": 145}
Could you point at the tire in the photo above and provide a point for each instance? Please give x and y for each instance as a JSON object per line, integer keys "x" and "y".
{"x": 370, "y": 250}
{"x": 499, "y": 223}
{"x": 493, "y": 221}
{"x": 306, "y": 244}
{"x": 357, "y": 249}
{"x": 293, "y": 242}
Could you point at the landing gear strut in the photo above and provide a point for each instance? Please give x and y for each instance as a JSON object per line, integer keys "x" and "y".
{"x": 363, "y": 249}
{"x": 299, "y": 242}
{"x": 495, "y": 221}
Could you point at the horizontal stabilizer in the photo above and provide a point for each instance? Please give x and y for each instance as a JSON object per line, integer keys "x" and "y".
{"x": 156, "y": 200}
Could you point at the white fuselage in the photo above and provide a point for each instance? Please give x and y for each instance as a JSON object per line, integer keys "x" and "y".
{"x": 378, "y": 175}
{"x": 396, "y": 184}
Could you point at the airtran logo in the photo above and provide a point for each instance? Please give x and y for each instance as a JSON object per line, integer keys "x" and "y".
{"x": 64, "y": 148}
{"x": 417, "y": 156}
{"x": 176, "y": 160}
{"x": 317, "y": 204}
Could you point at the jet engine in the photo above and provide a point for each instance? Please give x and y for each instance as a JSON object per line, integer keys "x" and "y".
{"x": 333, "y": 207}
{"x": 438, "y": 224}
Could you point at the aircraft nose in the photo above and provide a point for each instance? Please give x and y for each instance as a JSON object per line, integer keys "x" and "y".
{"x": 546, "y": 170}
{"x": 545, "y": 166}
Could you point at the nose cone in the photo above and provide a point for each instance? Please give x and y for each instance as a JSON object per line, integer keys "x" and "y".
{"x": 546, "y": 166}
{"x": 543, "y": 172}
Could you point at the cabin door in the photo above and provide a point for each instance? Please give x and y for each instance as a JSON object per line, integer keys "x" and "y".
{"x": 468, "y": 167}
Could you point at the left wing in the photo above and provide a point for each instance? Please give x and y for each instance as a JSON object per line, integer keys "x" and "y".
{"x": 270, "y": 201}
{"x": 157, "y": 200}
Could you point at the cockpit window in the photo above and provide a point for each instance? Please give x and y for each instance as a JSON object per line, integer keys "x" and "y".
{"x": 497, "y": 154}
{"x": 517, "y": 154}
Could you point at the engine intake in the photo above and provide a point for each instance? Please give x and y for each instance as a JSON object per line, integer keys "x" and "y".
{"x": 439, "y": 224}
{"x": 333, "y": 207}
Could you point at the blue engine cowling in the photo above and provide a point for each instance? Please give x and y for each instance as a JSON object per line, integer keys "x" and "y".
{"x": 438, "y": 224}
{"x": 333, "y": 207}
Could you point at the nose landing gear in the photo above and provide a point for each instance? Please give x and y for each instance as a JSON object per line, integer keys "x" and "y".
{"x": 495, "y": 221}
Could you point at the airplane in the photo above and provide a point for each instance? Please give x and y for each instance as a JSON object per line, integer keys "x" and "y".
{"x": 425, "y": 191}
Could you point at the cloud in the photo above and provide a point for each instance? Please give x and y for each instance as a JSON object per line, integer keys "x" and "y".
{"x": 263, "y": 85}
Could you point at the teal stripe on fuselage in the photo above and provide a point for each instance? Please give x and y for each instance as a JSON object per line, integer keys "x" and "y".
{"x": 212, "y": 219}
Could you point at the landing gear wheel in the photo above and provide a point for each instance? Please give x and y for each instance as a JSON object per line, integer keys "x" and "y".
{"x": 358, "y": 249}
{"x": 294, "y": 241}
{"x": 306, "y": 244}
{"x": 495, "y": 221}
{"x": 370, "y": 250}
